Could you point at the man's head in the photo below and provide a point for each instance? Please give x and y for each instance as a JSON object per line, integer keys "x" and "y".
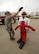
{"x": 7, "y": 13}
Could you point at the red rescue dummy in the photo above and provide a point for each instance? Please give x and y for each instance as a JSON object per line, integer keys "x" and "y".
{"x": 23, "y": 33}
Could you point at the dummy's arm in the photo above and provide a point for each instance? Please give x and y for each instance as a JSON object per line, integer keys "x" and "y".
{"x": 30, "y": 27}
{"x": 17, "y": 27}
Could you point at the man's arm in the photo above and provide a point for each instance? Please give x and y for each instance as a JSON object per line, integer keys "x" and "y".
{"x": 17, "y": 12}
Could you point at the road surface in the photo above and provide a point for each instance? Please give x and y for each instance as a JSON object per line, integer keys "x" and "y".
{"x": 11, "y": 47}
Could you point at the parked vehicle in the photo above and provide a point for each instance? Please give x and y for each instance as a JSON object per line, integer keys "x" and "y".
{"x": 2, "y": 19}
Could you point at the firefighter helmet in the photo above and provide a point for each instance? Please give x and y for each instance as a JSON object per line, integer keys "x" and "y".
{"x": 24, "y": 13}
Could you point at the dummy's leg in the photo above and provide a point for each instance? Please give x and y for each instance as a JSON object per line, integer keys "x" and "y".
{"x": 21, "y": 44}
{"x": 19, "y": 40}
{"x": 23, "y": 41}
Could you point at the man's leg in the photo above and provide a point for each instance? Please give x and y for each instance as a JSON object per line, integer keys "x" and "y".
{"x": 12, "y": 34}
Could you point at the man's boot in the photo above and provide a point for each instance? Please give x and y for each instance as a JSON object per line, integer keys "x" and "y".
{"x": 12, "y": 38}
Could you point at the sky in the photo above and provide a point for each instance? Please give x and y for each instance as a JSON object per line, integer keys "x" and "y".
{"x": 14, "y": 5}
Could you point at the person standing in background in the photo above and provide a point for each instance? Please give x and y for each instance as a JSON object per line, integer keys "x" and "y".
{"x": 24, "y": 18}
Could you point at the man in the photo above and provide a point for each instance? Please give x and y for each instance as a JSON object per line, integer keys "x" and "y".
{"x": 8, "y": 24}
{"x": 24, "y": 18}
